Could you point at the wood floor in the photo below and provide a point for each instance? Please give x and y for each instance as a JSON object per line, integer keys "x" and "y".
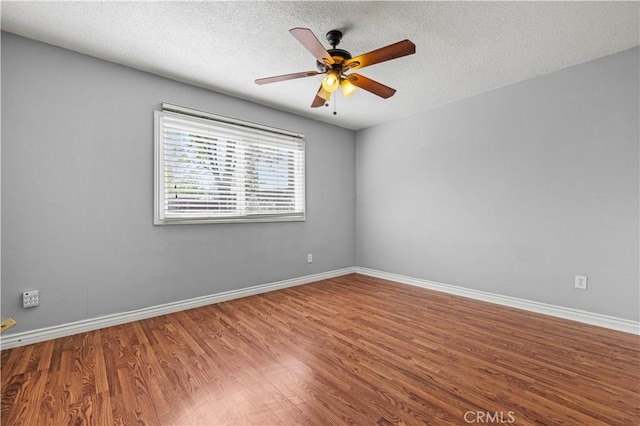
{"x": 350, "y": 350}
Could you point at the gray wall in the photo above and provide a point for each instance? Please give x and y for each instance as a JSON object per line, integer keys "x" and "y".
{"x": 77, "y": 194}
{"x": 514, "y": 191}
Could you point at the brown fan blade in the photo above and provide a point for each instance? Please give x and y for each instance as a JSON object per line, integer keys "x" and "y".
{"x": 371, "y": 85}
{"x": 319, "y": 101}
{"x": 392, "y": 51}
{"x": 313, "y": 45}
{"x": 286, "y": 77}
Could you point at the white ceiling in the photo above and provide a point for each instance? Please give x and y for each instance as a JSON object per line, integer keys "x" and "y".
{"x": 463, "y": 48}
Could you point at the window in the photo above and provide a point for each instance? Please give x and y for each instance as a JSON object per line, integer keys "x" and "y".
{"x": 215, "y": 169}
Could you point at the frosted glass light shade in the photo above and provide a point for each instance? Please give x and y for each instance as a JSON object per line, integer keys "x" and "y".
{"x": 348, "y": 89}
{"x": 331, "y": 82}
{"x": 324, "y": 94}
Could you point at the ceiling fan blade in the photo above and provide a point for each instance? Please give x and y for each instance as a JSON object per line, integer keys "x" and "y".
{"x": 371, "y": 85}
{"x": 284, "y": 77}
{"x": 313, "y": 45}
{"x": 319, "y": 101}
{"x": 392, "y": 51}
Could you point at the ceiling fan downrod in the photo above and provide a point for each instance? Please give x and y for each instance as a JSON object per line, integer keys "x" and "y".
{"x": 334, "y": 37}
{"x": 338, "y": 55}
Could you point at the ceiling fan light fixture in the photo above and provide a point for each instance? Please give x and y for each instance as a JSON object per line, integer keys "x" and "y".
{"x": 324, "y": 94}
{"x": 331, "y": 82}
{"x": 335, "y": 62}
{"x": 347, "y": 88}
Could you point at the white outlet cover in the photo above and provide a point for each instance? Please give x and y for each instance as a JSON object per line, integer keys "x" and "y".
{"x": 30, "y": 299}
{"x": 581, "y": 282}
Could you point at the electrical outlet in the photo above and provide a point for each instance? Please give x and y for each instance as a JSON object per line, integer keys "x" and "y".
{"x": 581, "y": 282}
{"x": 30, "y": 299}
{"x": 309, "y": 258}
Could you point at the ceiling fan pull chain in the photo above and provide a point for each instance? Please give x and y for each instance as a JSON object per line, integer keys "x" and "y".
{"x": 335, "y": 99}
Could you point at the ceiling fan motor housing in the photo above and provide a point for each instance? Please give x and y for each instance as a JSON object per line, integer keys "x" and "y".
{"x": 338, "y": 55}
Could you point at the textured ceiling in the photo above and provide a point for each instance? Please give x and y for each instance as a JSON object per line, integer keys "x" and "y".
{"x": 463, "y": 48}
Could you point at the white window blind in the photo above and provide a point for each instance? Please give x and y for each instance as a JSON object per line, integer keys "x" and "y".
{"x": 212, "y": 169}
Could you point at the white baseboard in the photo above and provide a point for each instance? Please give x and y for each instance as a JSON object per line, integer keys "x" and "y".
{"x": 605, "y": 321}
{"x": 63, "y": 330}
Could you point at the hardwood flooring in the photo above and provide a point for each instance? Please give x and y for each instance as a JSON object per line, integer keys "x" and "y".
{"x": 349, "y": 350}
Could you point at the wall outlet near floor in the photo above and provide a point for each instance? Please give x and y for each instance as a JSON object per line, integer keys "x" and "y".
{"x": 30, "y": 299}
{"x": 581, "y": 282}
{"x": 309, "y": 258}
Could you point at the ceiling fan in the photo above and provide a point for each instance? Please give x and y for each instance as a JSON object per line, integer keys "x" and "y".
{"x": 336, "y": 62}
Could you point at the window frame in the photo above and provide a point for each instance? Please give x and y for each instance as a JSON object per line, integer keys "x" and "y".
{"x": 171, "y": 110}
